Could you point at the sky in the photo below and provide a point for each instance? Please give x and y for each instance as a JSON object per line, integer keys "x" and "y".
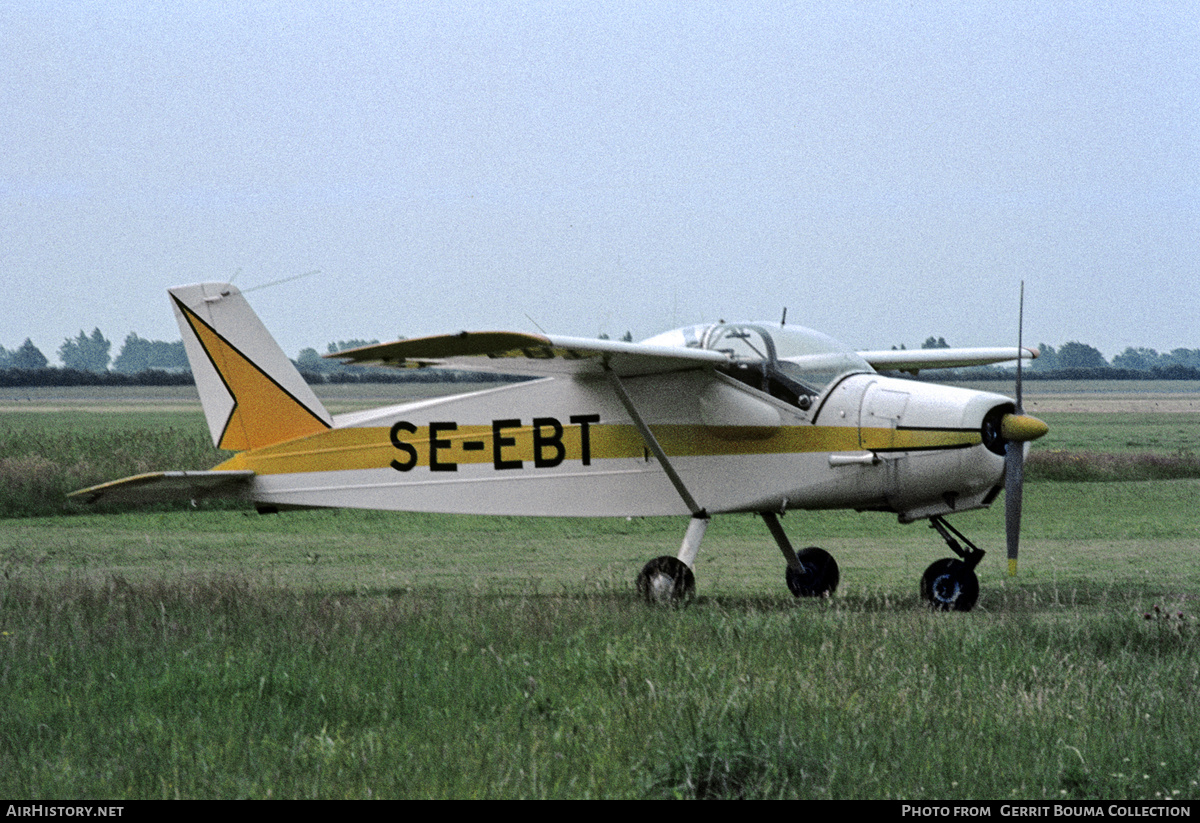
{"x": 886, "y": 171}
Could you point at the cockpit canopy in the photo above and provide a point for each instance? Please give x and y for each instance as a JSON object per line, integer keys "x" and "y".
{"x": 792, "y": 363}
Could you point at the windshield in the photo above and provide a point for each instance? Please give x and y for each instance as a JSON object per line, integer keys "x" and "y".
{"x": 790, "y": 362}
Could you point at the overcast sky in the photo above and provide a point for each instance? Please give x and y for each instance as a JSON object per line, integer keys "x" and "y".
{"x": 886, "y": 171}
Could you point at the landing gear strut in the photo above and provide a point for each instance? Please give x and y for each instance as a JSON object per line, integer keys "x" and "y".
{"x": 950, "y": 584}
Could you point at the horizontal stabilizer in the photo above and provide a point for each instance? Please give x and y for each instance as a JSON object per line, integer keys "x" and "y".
{"x": 163, "y": 487}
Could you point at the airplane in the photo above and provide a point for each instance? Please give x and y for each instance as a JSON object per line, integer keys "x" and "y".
{"x": 709, "y": 419}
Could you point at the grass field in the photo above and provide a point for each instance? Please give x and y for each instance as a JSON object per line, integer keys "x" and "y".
{"x": 219, "y": 653}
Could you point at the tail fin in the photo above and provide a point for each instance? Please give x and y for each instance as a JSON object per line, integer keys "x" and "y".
{"x": 251, "y": 393}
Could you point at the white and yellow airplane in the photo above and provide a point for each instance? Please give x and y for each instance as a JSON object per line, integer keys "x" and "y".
{"x": 709, "y": 419}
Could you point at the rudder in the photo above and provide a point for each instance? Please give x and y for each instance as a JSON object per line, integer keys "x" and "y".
{"x": 251, "y": 393}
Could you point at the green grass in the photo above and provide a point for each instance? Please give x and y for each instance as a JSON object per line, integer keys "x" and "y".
{"x": 1101, "y": 467}
{"x": 1084, "y": 447}
{"x": 1085, "y": 532}
{"x": 216, "y": 687}
{"x": 45, "y": 455}
{"x": 364, "y": 654}
{"x": 201, "y": 653}
{"x": 1123, "y": 433}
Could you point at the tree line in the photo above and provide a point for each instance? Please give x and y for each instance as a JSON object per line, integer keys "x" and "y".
{"x": 86, "y": 359}
{"x": 90, "y": 353}
{"x": 1075, "y": 360}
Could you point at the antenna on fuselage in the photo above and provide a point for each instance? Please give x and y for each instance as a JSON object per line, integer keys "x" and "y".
{"x": 277, "y": 282}
{"x": 783, "y": 320}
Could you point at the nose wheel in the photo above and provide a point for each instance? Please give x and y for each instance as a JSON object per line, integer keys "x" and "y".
{"x": 950, "y": 585}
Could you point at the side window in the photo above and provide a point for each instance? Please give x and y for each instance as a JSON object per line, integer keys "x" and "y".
{"x": 773, "y": 381}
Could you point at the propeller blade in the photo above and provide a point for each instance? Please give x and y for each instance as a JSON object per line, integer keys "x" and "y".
{"x": 1014, "y": 481}
{"x": 1014, "y": 454}
{"x": 1020, "y": 344}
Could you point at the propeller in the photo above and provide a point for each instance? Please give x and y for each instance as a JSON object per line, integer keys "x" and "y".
{"x": 1017, "y": 429}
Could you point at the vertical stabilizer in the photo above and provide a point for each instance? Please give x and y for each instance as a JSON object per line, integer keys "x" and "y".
{"x": 251, "y": 393}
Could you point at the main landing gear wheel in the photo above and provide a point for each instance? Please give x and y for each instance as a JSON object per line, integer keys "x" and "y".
{"x": 950, "y": 585}
{"x": 819, "y": 577}
{"x": 666, "y": 580}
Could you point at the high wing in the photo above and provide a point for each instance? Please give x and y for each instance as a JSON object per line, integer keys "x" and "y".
{"x": 531, "y": 354}
{"x": 163, "y": 487}
{"x": 912, "y": 360}
{"x": 543, "y": 355}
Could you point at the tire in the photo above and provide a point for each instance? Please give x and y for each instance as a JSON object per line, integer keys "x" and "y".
{"x": 820, "y": 576}
{"x": 666, "y": 581}
{"x": 950, "y": 585}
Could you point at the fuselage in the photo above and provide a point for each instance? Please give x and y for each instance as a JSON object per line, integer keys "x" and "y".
{"x": 567, "y": 446}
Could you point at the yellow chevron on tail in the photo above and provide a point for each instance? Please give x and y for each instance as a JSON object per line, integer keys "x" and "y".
{"x": 251, "y": 393}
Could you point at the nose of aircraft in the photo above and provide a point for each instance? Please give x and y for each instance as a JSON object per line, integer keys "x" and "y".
{"x": 1021, "y": 428}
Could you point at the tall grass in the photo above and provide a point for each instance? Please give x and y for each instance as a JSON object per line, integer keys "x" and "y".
{"x": 219, "y": 687}
{"x": 1085, "y": 466}
{"x": 44, "y": 457}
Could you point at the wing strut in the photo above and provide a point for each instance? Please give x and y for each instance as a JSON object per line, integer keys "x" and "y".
{"x": 653, "y": 444}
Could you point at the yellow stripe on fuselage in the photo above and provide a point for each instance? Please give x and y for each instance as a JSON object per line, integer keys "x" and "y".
{"x": 376, "y": 448}
{"x": 884, "y": 439}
